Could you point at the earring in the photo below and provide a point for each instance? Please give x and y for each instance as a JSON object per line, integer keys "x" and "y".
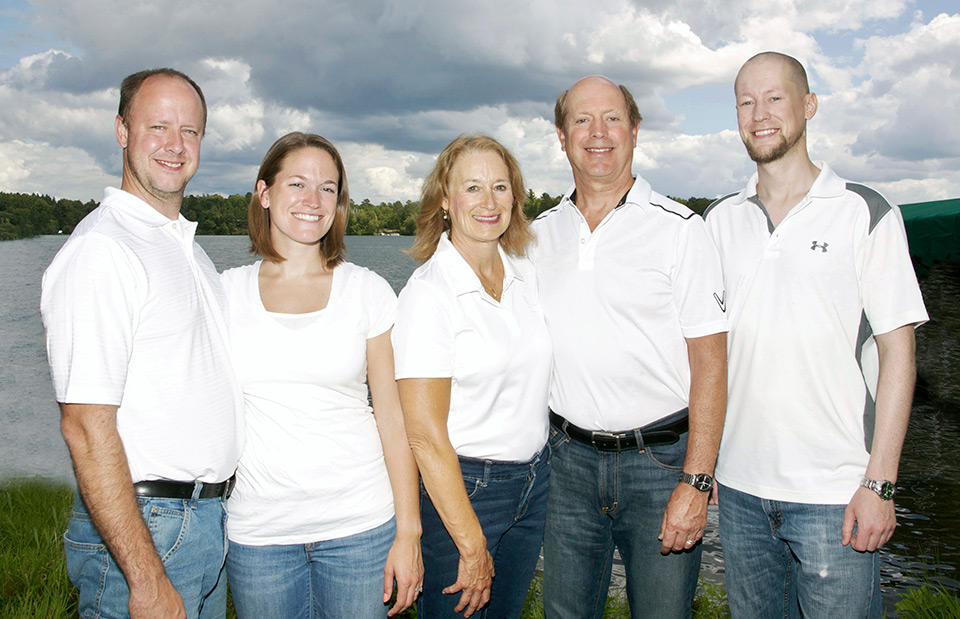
{"x": 445, "y": 216}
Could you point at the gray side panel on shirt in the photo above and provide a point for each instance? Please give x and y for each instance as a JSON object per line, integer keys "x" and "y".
{"x": 876, "y": 204}
{"x": 869, "y": 405}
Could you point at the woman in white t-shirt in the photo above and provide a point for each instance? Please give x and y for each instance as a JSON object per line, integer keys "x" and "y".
{"x": 473, "y": 360}
{"x": 324, "y": 518}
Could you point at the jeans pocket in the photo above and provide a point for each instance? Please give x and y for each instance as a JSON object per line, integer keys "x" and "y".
{"x": 669, "y": 456}
{"x": 472, "y": 485}
{"x": 168, "y": 521}
{"x": 557, "y": 438}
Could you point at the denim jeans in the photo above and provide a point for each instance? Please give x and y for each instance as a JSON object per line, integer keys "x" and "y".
{"x": 336, "y": 579}
{"x": 510, "y": 500}
{"x": 190, "y": 537}
{"x": 599, "y": 500}
{"x": 785, "y": 560}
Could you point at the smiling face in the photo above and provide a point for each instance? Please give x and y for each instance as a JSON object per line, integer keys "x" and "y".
{"x": 160, "y": 136}
{"x": 597, "y": 134}
{"x": 772, "y": 110}
{"x": 302, "y": 199}
{"x": 480, "y": 198}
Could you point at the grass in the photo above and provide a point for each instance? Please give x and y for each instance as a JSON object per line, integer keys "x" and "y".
{"x": 34, "y": 583}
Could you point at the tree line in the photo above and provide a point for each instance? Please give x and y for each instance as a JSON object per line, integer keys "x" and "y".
{"x": 27, "y": 215}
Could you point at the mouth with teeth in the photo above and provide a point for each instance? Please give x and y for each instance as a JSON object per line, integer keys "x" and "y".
{"x": 173, "y": 165}
{"x": 487, "y": 219}
{"x": 764, "y": 133}
{"x": 599, "y": 150}
{"x": 306, "y": 217}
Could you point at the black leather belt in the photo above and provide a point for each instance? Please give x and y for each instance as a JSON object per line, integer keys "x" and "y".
{"x": 656, "y": 433}
{"x": 165, "y": 489}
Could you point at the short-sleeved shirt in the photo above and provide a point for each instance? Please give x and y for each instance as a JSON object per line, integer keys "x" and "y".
{"x": 133, "y": 311}
{"x": 620, "y": 302}
{"x": 313, "y": 466}
{"x": 805, "y": 300}
{"x": 497, "y": 355}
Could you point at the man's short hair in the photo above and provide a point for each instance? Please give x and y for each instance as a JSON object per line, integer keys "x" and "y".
{"x": 131, "y": 86}
{"x": 560, "y": 109}
{"x": 795, "y": 70}
{"x": 332, "y": 247}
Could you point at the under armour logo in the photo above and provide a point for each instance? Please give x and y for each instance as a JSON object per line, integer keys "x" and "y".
{"x": 720, "y": 301}
{"x": 821, "y": 247}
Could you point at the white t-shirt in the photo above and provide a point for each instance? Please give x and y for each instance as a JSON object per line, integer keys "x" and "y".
{"x": 805, "y": 301}
{"x": 133, "y": 311}
{"x": 619, "y": 303}
{"x": 497, "y": 355}
{"x": 313, "y": 466}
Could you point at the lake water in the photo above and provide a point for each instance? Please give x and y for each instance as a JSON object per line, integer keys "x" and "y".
{"x": 924, "y": 547}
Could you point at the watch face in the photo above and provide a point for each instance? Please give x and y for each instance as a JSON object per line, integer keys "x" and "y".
{"x": 703, "y": 482}
{"x": 887, "y": 490}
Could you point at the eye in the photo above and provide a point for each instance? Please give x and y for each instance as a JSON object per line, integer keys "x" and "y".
{"x": 473, "y": 188}
{"x": 580, "y": 121}
{"x": 501, "y": 187}
{"x": 191, "y": 132}
{"x": 297, "y": 184}
{"x": 330, "y": 189}
{"x": 745, "y": 103}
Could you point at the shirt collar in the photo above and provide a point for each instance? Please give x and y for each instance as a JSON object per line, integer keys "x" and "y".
{"x": 638, "y": 194}
{"x": 460, "y": 275}
{"x": 826, "y": 185}
{"x": 137, "y": 209}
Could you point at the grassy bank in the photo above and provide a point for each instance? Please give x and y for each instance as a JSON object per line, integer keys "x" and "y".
{"x": 33, "y": 578}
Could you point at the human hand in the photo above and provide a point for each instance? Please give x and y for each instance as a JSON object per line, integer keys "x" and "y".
{"x": 156, "y": 600}
{"x": 684, "y": 520}
{"x": 875, "y": 521}
{"x": 405, "y": 565}
{"x": 474, "y": 579}
{"x": 714, "y": 495}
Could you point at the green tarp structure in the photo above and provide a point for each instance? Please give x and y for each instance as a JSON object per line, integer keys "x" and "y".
{"x": 933, "y": 230}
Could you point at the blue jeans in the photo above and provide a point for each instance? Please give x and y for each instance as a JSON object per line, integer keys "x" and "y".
{"x": 189, "y": 536}
{"x": 510, "y": 500}
{"x": 785, "y": 560}
{"x": 337, "y": 579}
{"x": 599, "y": 500}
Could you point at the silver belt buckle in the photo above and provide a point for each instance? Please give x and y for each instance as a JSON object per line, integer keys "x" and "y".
{"x": 611, "y": 435}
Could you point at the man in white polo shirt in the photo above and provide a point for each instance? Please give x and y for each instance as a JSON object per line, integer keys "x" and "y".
{"x": 150, "y": 408}
{"x": 823, "y": 301}
{"x": 632, "y": 294}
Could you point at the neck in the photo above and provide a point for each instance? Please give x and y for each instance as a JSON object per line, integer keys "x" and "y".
{"x": 299, "y": 260}
{"x": 789, "y": 177}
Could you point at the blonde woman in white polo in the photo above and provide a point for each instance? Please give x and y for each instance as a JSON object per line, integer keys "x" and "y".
{"x": 473, "y": 360}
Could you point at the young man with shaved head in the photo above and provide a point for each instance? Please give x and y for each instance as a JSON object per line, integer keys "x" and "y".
{"x": 822, "y": 303}
{"x": 136, "y": 340}
{"x": 632, "y": 294}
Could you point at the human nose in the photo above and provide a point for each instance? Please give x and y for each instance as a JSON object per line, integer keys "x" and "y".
{"x": 760, "y": 111}
{"x": 312, "y": 199}
{"x": 597, "y": 128}
{"x": 174, "y": 142}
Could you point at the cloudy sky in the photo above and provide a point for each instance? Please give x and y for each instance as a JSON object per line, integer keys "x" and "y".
{"x": 390, "y": 82}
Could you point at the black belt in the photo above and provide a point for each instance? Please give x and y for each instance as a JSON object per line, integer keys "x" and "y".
{"x": 165, "y": 489}
{"x": 656, "y": 433}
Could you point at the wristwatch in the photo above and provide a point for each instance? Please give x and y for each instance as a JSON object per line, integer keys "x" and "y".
{"x": 884, "y": 489}
{"x": 701, "y": 481}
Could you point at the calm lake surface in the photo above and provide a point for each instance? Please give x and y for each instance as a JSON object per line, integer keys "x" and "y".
{"x": 924, "y": 547}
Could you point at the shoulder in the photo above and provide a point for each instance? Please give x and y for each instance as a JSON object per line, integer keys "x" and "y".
{"x": 669, "y": 207}
{"x": 366, "y": 279}
{"x": 719, "y": 205}
{"x": 875, "y": 204}
{"x": 239, "y": 275}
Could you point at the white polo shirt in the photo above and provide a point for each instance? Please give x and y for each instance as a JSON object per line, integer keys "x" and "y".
{"x": 805, "y": 300}
{"x": 619, "y": 303}
{"x": 497, "y": 354}
{"x": 133, "y": 311}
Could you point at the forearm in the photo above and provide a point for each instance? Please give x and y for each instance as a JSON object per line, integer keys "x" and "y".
{"x": 443, "y": 481}
{"x": 403, "y": 473}
{"x": 708, "y": 401}
{"x": 897, "y": 378}
{"x": 103, "y": 477}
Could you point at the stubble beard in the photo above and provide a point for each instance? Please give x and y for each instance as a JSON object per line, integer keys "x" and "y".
{"x": 782, "y": 148}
